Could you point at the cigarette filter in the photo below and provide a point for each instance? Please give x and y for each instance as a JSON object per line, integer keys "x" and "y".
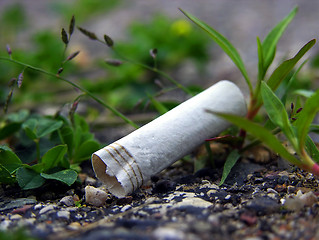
{"x": 128, "y": 163}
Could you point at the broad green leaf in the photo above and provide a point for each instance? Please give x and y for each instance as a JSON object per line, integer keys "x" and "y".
{"x": 13, "y": 123}
{"x": 277, "y": 113}
{"x": 305, "y": 118}
{"x": 46, "y": 126}
{"x": 29, "y": 179}
{"x": 29, "y": 127}
{"x": 52, "y": 157}
{"x": 85, "y": 151}
{"x": 270, "y": 42}
{"x": 230, "y": 162}
{"x": 20, "y": 116}
{"x": 37, "y": 128}
{"x": 81, "y": 123}
{"x": 9, "y": 129}
{"x": 66, "y": 136}
{"x": 261, "y": 133}
{"x": 283, "y": 70}
{"x": 227, "y": 47}
{"x": 312, "y": 149}
{"x": 5, "y": 175}
{"x": 9, "y": 159}
{"x": 67, "y": 176}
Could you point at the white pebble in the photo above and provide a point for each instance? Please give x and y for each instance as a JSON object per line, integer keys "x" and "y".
{"x": 95, "y": 196}
{"x": 4, "y": 225}
{"x": 38, "y": 206}
{"x": 15, "y": 217}
{"x": 64, "y": 214}
{"x": 300, "y": 200}
{"x": 125, "y": 208}
{"x": 47, "y": 209}
{"x": 163, "y": 233}
{"x": 67, "y": 200}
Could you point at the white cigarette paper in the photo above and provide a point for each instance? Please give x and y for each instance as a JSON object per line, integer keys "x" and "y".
{"x": 128, "y": 163}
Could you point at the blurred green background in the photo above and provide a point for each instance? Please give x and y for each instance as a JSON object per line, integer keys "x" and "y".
{"x": 33, "y": 32}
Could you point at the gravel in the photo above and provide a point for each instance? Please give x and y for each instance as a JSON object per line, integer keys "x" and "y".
{"x": 268, "y": 204}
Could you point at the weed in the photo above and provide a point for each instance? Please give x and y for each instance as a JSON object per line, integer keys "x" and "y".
{"x": 295, "y": 129}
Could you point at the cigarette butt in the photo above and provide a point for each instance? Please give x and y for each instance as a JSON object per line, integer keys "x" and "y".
{"x": 128, "y": 163}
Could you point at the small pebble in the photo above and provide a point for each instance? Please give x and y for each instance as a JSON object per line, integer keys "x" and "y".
{"x": 74, "y": 226}
{"x": 47, "y": 209}
{"x": 300, "y": 200}
{"x": 90, "y": 181}
{"x": 95, "y": 196}
{"x": 125, "y": 208}
{"x": 163, "y": 233}
{"x": 67, "y": 200}
{"x": 15, "y": 217}
{"x": 228, "y": 197}
{"x": 38, "y": 206}
{"x": 64, "y": 214}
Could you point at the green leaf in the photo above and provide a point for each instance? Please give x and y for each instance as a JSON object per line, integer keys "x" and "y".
{"x": 277, "y": 113}
{"x": 283, "y": 70}
{"x": 161, "y": 109}
{"x": 81, "y": 123}
{"x": 47, "y": 126}
{"x": 29, "y": 179}
{"x": 85, "y": 150}
{"x": 261, "y": 71}
{"x": 312, "y": 149}
{"x": 29, "y": 127}
{"x": 230, "y": 162}
{"x": 227, "y": 47}
{"x": 53, "y": 157}
{"x": 286, "y": 87}
{"x": 305, "y": 118}
{"x": 304, "y": 93}
{"x": 9, "y": 129}
{"x": 9, "y": 159}
{"x": 261, "y": 133}
{"x": 270, "y": 42}
{"x": 5, "y": 175}
{"x": 66, "y": 136}
{"x": 20, "y": 116}
{"x": 67, "y": 176}
{"x": 37, "y": 128}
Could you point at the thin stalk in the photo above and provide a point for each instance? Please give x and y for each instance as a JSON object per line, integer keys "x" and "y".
{"x": 113, "y": 110}
{"x": 154, "y": 69}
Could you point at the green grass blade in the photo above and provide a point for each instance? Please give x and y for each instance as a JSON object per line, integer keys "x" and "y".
{"x": 230, "y": 162}
{"x": 161, "y": 109}
{"x": 303, "y": 92}
{"x": 261, "y": 133}
{"x": 270, "y": 42}
{"x": 261, "y": 72}
{"x": 277, "y": 113}
{"x": 286, "y": 87}
{"x": 227, "y": 47}
{"x": 312, "y": 149}
{"x": 305, "y": 118}
{"x": 274, "y": 108}
{"x": 283, "y": 70}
